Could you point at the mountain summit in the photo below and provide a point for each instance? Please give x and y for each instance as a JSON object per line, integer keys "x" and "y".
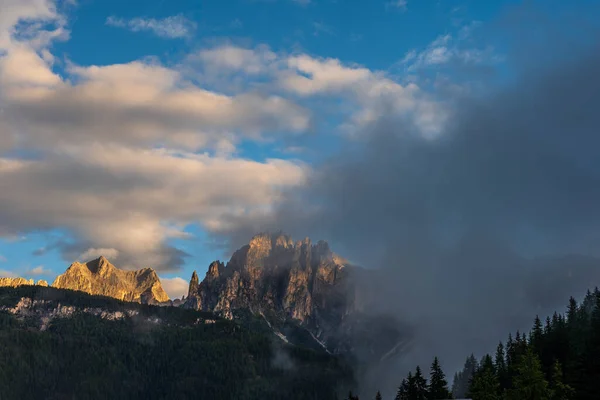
{"x": 282, "y": 280}
{"x": 100, "y": 277}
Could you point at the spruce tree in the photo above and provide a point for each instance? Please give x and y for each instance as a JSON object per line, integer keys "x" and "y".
{"x": 529, "y": 382}
{"x": 411, "y": 387}
{"x": 463, "y": 378}
{"x": 484, "y": 385}
{"x": 558, "y": 389}
{"x": 572, "y": 312}
{"x": 536, "y": 335}
{"x": 421, "y": 385}
{"x": 438, "y": 386}
{"x": 378, "y": 396}
{"x": 402, "y": 393}
{"x": 501, "y": 369}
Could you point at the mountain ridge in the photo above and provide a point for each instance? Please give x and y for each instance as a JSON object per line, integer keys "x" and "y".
{"x": 100, "y": 277}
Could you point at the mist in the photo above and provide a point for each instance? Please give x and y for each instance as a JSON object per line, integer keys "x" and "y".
{"x": 468, "y": 235}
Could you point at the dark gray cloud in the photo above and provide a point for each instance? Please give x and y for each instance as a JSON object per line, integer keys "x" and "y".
{"x": 479, "y": 229}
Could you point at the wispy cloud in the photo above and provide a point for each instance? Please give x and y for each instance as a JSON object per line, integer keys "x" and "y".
{"x": 397, "y": 4}
{"x": 39, "y": 270}
{"x": 7, "y": 274}
{"x": 2, "y": 258}
{"x": 173, "y": 27}
{"x": 449, "y": 48}
{"x": 321, "y": 28}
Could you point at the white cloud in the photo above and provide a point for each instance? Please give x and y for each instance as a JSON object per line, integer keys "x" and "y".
{"x": 135, "y": 104}
{"x": 2, "y": 258}
{"x": 172, "y": 27}
{"x": 94, "y": 253}
{"x": 251, "y": 61}
{"x": 133, "y": 200}
{"x": 39, "y": 270}
{"x": 129, "y": 155}
{"x": 398, "y": 4}
{"x": 447, "y": 49}
{"x": 175, "y": 287}
{"x": 7, "y": 274}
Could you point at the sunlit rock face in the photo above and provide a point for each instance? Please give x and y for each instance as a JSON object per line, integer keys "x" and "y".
{"x": 100, "y": 277}
{"x": 293, "y": 280}
{"x": 15, "y": 282}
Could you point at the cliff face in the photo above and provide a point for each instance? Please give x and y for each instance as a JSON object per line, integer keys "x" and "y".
{"x": 14, "y": 282}
{"x": 100, "y": 277}
{"x": 294, "y": 280}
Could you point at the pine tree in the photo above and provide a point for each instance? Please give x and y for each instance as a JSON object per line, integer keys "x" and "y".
{"x": 402, "y": 393}
{"x": 438, "y": 386}
{"x": 378, "y": 396}
{"x": 536, "y": 335}
{"x": 411, "y": 387}
{"x": 463, "y": 378}
{"x": 352, "y": 397}
{"x": 558, "y": 389}
{"x": 484, "y": 385}
{"x": 529, "y": 382}
{"x": 421, "y": 385}
{"x": 501, "y": 369}
{"x": 572, "y": 312}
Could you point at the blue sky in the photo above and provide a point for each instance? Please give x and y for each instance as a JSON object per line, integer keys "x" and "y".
{"x": 126, "y": 122}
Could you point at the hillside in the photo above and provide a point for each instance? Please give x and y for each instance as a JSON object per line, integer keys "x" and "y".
{"x": 62, "y": 344}
{"x": 303, "y": 285}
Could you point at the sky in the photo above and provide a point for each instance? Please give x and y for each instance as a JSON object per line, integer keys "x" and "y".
{"x": 449, "y": 145}
{"x": 165, "y": 133}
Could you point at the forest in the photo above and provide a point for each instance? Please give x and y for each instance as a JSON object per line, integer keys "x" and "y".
{"x": 558, "y": 359}
{"x": 88, "y": 357}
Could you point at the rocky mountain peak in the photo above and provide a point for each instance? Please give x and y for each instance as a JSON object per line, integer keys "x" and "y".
{"x": 100, "y": 277}
{"x": 15, "y": 282}
{"x": 215, "y": 270}
{"x": 100, "y": 266}
{"x": 297, "y": 280}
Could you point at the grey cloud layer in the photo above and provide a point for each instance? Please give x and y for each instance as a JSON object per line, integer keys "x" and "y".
{"x": 456, "y": 221}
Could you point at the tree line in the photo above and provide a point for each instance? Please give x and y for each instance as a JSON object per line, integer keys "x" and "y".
{"x": 558, "y": 359}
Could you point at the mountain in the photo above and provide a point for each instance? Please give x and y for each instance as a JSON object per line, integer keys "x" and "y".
{"x": 297, "y": 284}
{"x": 15, "y": 282}
{"x": 62, "y": 344}
{"x": 100, "y": 277}
{"x": 300, "y": 281}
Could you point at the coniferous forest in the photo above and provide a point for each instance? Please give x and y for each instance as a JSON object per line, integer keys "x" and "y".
{"x": 88, "y": 357}
{"x": 559, "y": 359}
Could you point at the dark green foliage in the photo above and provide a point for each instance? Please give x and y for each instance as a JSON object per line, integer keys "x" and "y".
{"x": 560, "y": 361}
{"x": 438, "y": 386}
{"x": 559, "y": 390}
{"x": 403, "y": 390}
{"x": 529, "y": 382}
{"x": 87, "y": 357}
{"x": 485, "y": 384}
{"x": 421, "y": 387}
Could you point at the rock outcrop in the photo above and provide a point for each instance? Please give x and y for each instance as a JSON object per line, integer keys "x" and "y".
{"x": 100, "y": 277}
{"x": 14, "y": 282}
{"x": 273, "y": 274}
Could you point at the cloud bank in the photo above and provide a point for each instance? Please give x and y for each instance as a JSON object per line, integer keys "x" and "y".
{"x": 125, "y": 157}
{"x": 476, "y": 229}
